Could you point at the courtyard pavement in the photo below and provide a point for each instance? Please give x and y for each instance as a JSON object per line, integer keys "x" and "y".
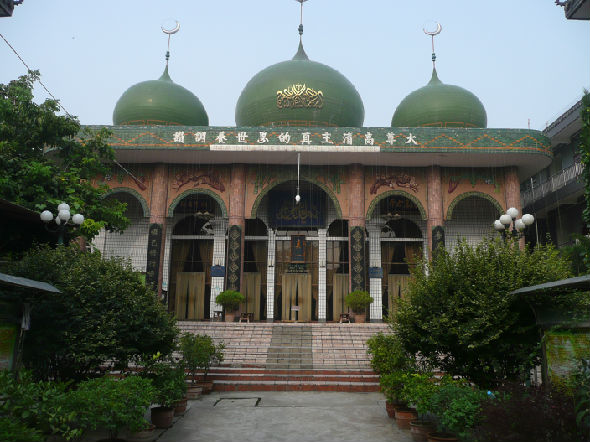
{"x": 286, "y": 416}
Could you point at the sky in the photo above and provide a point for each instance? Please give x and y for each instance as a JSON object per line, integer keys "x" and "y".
{"x": 522, "y": 58}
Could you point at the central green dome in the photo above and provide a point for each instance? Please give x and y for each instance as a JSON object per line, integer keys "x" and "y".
{"x": 440, "y": 105}
{"x": 299, "y": 92}
{"x": 159, "y": 102}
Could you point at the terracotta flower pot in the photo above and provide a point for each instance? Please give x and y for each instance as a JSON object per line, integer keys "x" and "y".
{"x": 439, "y": 436}
{"x": 180, "y": 407}
{"x": 193, "y": 392}
{"x": 403, "y": 417}
{"x": 419, "y": 430}
{"x": 360, "y": 318}
{"x": 162, "y": 417}
{"x": 229, "y": 316}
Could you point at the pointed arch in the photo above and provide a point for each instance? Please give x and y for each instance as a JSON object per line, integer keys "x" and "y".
{"x": 397, "y": 192}
{"x": 325, "y": 188}
{"x": 189, "y": 192}
{"x": 465, "y": 195}
{"x": 135, "y": 193}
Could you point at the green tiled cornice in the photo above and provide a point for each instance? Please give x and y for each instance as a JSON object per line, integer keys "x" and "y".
{"x": 380, "y": 139}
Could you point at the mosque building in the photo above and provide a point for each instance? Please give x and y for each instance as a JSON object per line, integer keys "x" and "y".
{"x": 298, "y": 203}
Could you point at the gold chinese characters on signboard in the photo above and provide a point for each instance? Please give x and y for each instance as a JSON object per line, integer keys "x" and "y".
{"x": 299, "y": 95}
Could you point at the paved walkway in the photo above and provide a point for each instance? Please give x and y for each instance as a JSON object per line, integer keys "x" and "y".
{"x": 286, "y": 416}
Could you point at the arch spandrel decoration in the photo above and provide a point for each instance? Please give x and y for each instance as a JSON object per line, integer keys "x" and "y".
{"x": 461, "y": 197}
{"x": 396, "y": 192}
{"x": 189, "y": 192}
{"x": 329, "y": 192}
{"x": 135, "y": 193}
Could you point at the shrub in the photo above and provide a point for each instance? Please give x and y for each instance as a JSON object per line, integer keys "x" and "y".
{"x": 457, "y": 407}
{"x": 392, "y": 385}
{"x": 31, "y": 409}
{"x": 418, "y": 390}
{"x": 460, "y": 315}
{"x": 358, "y": 300}
{"x": 387, "y": 353}
{"x": 103, "y": 314}
{"x": 230, "y": 299}
{"x": 528, "y": 413}
{"x": 199, "y": 352}
{"x": 113, "y": 404}
{"x": 167, "y": 378}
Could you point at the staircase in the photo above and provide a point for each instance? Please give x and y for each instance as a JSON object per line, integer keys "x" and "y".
{"x": 291, "y": 356}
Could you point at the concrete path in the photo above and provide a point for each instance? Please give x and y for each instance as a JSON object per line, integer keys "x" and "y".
{"x": 286, "y": 416}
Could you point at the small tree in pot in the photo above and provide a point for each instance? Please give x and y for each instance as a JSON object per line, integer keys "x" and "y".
{"x": 230, "y": 300}
{"x": 358, "y": 301}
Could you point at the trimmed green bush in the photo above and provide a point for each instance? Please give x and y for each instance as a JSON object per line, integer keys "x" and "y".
{"x": 387, "y": 353}
{"x": 103, "y": 316}
{"x": 230, "y": 300}
{"x": 358, "y": 300}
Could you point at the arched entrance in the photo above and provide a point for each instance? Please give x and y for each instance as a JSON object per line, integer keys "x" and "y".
{"x": 130, "y": 243}
{"x": 396, "y": 243}
{"x": 192, "y": 256}
{"x": 298, "y": 256}
{"x": 470, "y": 218}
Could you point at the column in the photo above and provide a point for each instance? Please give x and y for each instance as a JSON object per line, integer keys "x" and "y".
{"x": 322, "y": 233}
{"x": 270, "y": 276}
{"x": 235, "y": 242}
{"x": 219, "y": 227}
{"x": 434, "y": 222}
{"x": 157, "y": 228}
{"x": 356, "y": 223}
{"x": 375, "y": 286}
{"x": 512, "y": 192}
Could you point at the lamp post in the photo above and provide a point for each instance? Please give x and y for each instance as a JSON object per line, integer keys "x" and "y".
{"x": 518, "y": 225}
{"x": 62, "y": 219}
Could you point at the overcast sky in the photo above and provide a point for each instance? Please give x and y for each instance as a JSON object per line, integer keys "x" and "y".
{"x": 522, "y": 58}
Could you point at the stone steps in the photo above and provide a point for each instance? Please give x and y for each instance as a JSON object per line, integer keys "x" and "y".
{"x": 291, "y": 356}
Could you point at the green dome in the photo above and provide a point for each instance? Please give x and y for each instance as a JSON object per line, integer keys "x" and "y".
{"x": 440, "y": 105}
{"x": 299, "y": 92}
{"x": 159, "y": 102}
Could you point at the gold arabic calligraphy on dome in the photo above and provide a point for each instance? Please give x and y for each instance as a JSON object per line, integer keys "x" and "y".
{"x": 299, "y": 95}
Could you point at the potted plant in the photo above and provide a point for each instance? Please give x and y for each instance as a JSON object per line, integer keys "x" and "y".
{"x": 230, "y": 300}
{"x": 417, "y": 390}
{"x": 169, "y": 382}
{"x": 196, "y": 351}
{"x": 113, "y": 404}
{"x": 358, "y": 301}
{"x": 391, "y": 386}
{"x": 210, "y": 354}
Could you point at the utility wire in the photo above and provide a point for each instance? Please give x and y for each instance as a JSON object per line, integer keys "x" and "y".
{"x": 38, "y": 79}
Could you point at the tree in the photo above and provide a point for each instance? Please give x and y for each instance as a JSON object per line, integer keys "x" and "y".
{"x": 104, "y": 315}
{"x": 584, "y": 149}
{"x": 44, "y": 163}
{"x": 460, "y": 314}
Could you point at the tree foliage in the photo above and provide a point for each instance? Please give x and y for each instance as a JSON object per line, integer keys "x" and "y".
{"x": 460, "y": 314}
{"x": 584, "y": 149}
{"x": 44, "y": 163}
{"x": 104, "y": 314}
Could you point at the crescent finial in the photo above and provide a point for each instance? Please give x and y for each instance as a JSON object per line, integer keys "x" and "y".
{"x": 435, "y": 32}
{"x": 173, "y": 30}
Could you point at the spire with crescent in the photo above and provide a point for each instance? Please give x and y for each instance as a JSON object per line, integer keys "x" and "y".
{"x": 432, "y": 34}
{"x": 170, "y": 32}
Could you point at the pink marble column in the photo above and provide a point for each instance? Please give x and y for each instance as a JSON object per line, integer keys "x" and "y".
{"x": 158, "y": 211}
{"x": 512, "y": 188}
{"x": 237, "y": 201}
{"x": 435, "y": 202}
{"x": 512, "y": 193}
{"x": 356, "y": 207}
{"x": 356, "y": 227}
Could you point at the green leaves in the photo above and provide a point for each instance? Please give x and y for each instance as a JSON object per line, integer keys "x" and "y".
{"x": 104, "y": 314}
{"x": 460, "y": 315}
{"x": 43, "y": 163}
